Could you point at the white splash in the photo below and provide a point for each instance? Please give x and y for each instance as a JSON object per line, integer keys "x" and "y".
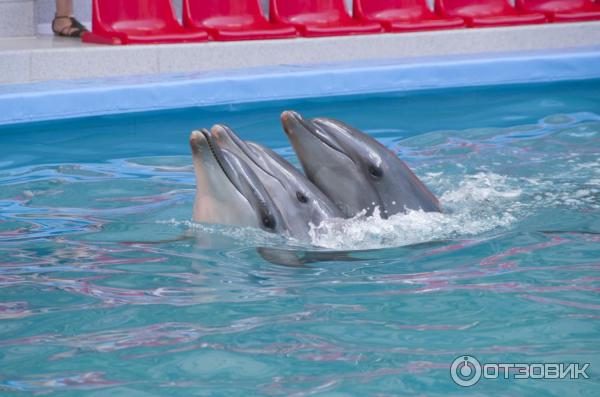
{"x": 480, "y": 203}
{"x": 477, "y": 204}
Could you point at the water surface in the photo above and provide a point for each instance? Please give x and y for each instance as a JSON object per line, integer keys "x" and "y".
{"x": 107, "y": 288}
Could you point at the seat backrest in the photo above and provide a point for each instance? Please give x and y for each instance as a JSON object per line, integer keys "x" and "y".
{"x": 370, "y": 7}
{"x": 198, "y": 10}
{"x": 282, "y": 10}
{"x": 155, "y": 13}
{"x": 572, "y": 4}
{"x": 494, "y": 6}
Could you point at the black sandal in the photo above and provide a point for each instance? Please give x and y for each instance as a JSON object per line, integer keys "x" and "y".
{"x": 76, "y": 28}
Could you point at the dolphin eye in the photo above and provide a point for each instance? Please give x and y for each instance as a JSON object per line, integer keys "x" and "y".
{"x": 268, "y": 221}
{"x": 301, "y": 197}
{"x": 375, "y": 171}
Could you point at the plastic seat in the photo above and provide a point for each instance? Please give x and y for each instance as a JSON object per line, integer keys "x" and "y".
{"x": 233, "y": 20}
{"x": 563, "y": 10}
{"x": 487, "y": 13}
{"x": 138, "y": 22}
{"x": 403, "y": 15}
{"x": 315, "y": 18}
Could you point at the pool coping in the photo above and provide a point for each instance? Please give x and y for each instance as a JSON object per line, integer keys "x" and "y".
{"x": 21, "y": 103}
{"x": 46, "y": 58}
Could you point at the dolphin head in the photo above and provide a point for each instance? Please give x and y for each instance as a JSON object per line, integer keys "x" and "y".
{"x": 353, "y": 169}
{"x": 227, "y": 191}
{"x": 298, "y": 200}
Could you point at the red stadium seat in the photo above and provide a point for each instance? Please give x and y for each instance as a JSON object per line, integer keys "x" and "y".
{"x": 403, "y": 15}
{"x": 315, "y": 18}
{"x": 487, "y": 13}
{"x": 563, "y": 10}
{"x": 233, "y": 20}
{"x": 138, "y": 22}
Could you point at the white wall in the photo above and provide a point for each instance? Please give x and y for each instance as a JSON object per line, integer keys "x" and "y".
{"x": 16, "y": 18}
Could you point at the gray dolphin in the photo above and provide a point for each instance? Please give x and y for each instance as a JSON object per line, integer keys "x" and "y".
{"x": 227, "y": 190}
{"x": 298, "y": 200}
{"x": 353, "y": 169}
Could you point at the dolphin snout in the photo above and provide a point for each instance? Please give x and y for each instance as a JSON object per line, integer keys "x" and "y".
{"x": 198, "y": 139}
{"x": 290, "y": 120}
{"x": 219, "y": 132}
{"x": 290, "y": 114}
{"x": 224, "y": 137}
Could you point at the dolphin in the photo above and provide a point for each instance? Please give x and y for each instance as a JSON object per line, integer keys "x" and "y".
{"x": 227, "y": 190}
{"x": 354, "y": 170}
{"x": 300, "y": 203}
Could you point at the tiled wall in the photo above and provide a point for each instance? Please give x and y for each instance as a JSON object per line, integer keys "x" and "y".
{"x": 16, "y": 18}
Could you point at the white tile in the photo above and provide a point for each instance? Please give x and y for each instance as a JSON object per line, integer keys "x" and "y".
{"x": 60, "y": 64}
{"x": 62, "y": 59}
{"x": 14, "y": 67}
{"x": 213, "y": 56}
{"x": 16, "y": 18}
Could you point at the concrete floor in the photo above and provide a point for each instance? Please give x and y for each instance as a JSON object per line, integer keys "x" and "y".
{"x": 46, "y": 58}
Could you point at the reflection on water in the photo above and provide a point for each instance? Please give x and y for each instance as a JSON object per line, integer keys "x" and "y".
{"x": 107, "y": 288}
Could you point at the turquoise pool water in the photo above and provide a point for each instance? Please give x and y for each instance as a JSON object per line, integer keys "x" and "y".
{"x": 107, "y": 289}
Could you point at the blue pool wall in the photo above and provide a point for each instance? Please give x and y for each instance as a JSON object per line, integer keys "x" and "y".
{"x": 54, "y": 100}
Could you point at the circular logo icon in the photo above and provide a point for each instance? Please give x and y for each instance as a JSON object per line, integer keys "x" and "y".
{"x": 465, "y": 371}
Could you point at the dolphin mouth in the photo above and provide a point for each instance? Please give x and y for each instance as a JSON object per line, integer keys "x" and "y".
{"x": 215, "y": 152}
{"x": 216, "y": 155}
{"x": 290, "y": 117}
{"x": 224, "y": 136}
{"x": 222, "y": 133}
{"x": 291, "y": 120}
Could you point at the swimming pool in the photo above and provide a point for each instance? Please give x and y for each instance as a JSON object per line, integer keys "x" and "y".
{"x": 108, "y": 289}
